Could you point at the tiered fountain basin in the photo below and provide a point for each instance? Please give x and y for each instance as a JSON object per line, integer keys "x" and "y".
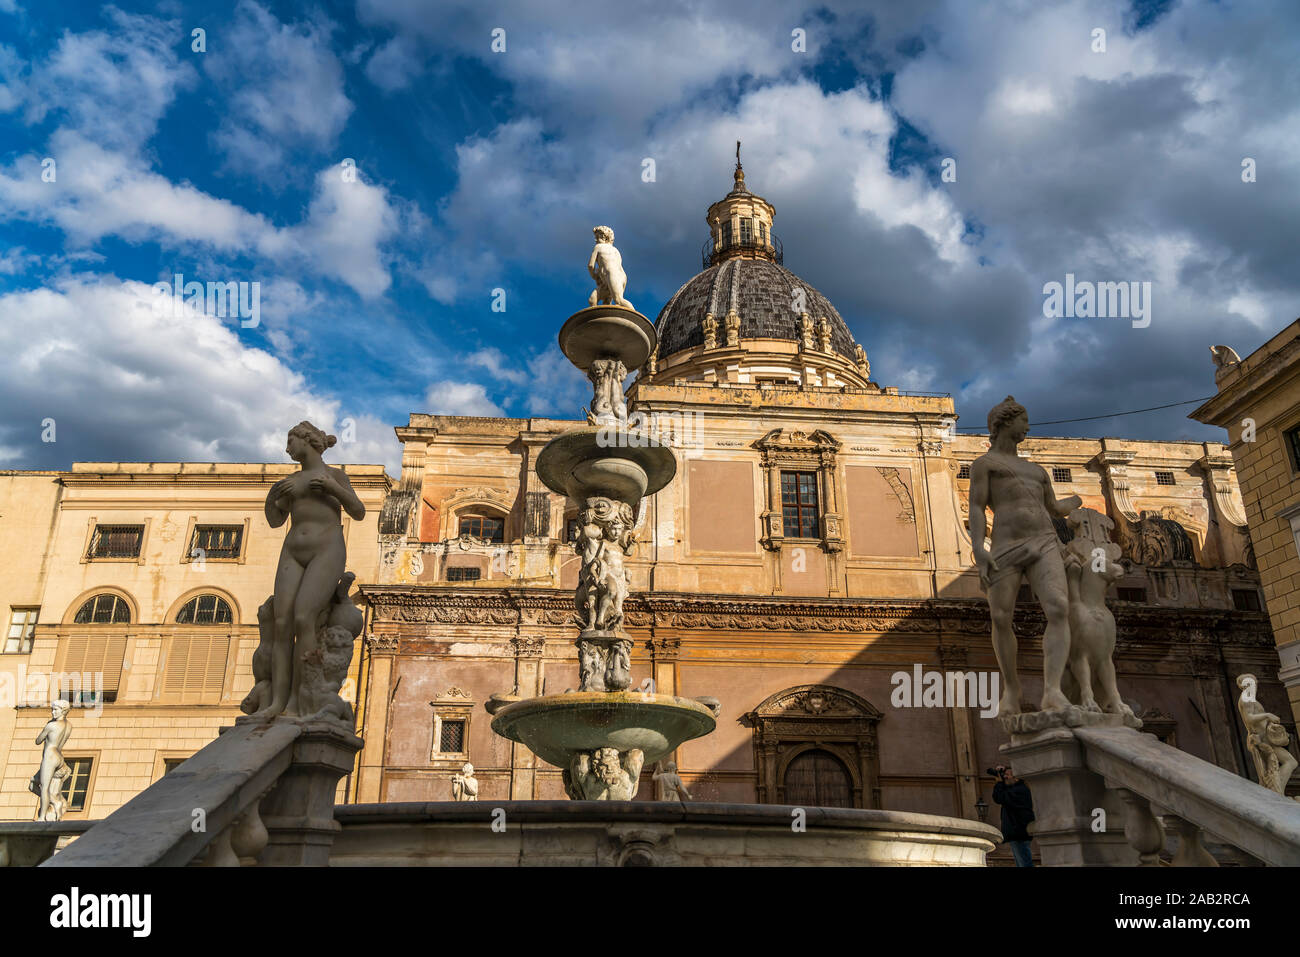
{"x": 621, "y": 463}
{"x": 599, "y": 331}
{"x": 557, "y": 728}
{"x": 649, "y": 834}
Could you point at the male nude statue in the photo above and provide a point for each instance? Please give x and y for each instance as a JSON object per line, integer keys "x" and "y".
{"x": 1025, "y": 545}
{"x": 606, "y": 267}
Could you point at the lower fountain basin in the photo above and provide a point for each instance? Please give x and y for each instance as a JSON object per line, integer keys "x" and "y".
{"x": 653, "y": 833}
{"x": 557, "y": 727}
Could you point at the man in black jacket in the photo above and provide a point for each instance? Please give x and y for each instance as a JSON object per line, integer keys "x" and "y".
{"x": 1017, "y": 812}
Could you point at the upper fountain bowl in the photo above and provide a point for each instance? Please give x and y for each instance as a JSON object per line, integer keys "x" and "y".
{"x": 613, "y": 332}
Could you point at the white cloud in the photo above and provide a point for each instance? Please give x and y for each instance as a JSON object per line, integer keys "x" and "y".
{"x": 394, "y": 65}
{"x": 126, "y": 384}
{"x": 460, "y": 398}
{"x": 282, "y": 88}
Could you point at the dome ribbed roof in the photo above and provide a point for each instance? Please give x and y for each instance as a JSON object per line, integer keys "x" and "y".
{"x": 760, "y": 292}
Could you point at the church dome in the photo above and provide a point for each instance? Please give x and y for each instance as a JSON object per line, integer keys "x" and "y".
{"x": 760, "y": 292}
{"x": 745, "y": 318}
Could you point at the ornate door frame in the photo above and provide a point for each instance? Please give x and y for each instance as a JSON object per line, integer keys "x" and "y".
{"x": 816, "y": 717}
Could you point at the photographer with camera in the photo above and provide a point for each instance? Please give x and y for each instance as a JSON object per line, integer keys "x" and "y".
{"x": 1017, "y": 812}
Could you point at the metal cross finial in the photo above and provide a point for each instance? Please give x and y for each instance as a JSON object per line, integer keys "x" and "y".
{"x": 737, "y": 154}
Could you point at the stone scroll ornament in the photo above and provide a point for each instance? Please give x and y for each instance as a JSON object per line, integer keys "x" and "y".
{"x": 47, "y": 782}
{"x": 308, "y": 625}
{"x": 1266, "y": 738}
{"x": 605, "y": 536}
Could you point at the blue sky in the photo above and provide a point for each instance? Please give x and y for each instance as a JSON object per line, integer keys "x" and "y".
{"x": 480, "y": 170}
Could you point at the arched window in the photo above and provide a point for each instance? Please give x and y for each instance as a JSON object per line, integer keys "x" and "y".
{"x": 486, "y": 527}
{"x": 104, "y": 609}
{"x": 204, "y": 610}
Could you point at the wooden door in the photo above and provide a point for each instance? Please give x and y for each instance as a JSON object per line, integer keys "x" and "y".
{"x": 818, "y": 779}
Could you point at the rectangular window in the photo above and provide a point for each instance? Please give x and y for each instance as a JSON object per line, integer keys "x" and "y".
{"x": 747, "y": 231}
{"x": 116, "y": 541}
{"x": 452, "y": 738}
{"x": 464, "y": 574}
{"x": 217, "y": 541}
{"x": 762, "y": 233}
{"x": 799, "y": 505}
{"x": 964, "y": 471}
{"x": 726, "y": 234}
{"x": 1165, "y": 478}
{"x": 1138, "y": 595}
{"x": 1246, "y": 599}
{"x": 196, "y": 669}
{"x": 77, "y": 784}
{"x": 483, "y": 526}
{"x": 171, "y": 764}
{"x": 1291, "y": 438}
{"x": 22, "y": 629}
{"x": 1061, "y": 475}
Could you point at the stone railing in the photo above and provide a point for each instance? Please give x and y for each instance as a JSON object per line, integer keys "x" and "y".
{"x": 1106, "y": 796}
{"x": 262, "y": 793}
{"x": 28, "y": 843}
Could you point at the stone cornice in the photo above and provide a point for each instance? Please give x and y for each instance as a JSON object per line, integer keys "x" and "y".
{"x": 1138, "y": 626}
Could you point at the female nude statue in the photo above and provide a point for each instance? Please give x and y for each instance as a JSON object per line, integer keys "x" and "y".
{"x": 312, "y": 560}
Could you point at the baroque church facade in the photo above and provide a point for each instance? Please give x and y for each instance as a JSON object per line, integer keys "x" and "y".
{"x": 808, "y": 560}
{"x": 810, "y": 553}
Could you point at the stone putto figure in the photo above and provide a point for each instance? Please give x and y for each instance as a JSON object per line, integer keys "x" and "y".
{"x": 307, "y": 583}
{"x": 325, "y": 667}
{"x": 464, "y": 786}
{"x": 604, "y": 537}
{"x": 1091, "y": 567}
{"x": 668, "y": 783}
{"x": 606, "y": 267}
{"x": 860, "y": 360}
{"x": 608, "y": 404}
{"x": 604, "y": 775}
{"x": 47, "y": 782}
{"x": 1025, "y": 545}
{"x": 1266, "y": 739}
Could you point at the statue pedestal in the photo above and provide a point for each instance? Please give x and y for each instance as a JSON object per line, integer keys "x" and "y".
{"x": 1067, "y": 797}
{"x": 299, "y": 811}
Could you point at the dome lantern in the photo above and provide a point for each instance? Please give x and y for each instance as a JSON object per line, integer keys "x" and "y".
{"x": 740, "y": 225}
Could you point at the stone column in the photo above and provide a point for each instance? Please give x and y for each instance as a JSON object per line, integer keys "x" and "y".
{"x": 382, "y": 650}
{"x": 299, "y": 811}
{"x": 953, "y": 658}
{"x": 528, "y": 681}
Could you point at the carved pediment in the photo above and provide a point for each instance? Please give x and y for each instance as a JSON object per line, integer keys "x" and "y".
{"x": 794, "y": 440}
{"x": 815, "y": 702}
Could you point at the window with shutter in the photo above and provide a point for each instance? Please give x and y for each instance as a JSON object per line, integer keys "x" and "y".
{"x": 196, "y": 669}
{"x": 85, "y": 657}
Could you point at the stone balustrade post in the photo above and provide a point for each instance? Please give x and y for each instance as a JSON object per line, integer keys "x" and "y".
{"x": 1078, "y": 822}
{"x": 298, "y": 813}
